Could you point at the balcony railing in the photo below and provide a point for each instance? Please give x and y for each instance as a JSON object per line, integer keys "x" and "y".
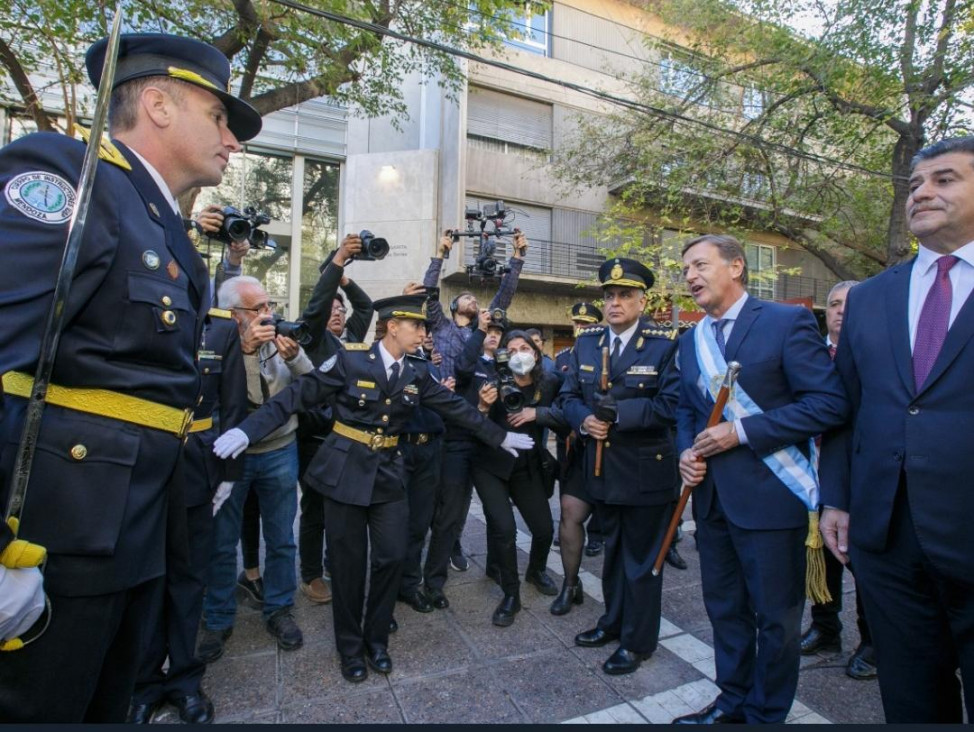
{"x": 790, "y": 287}
{"x": 552, "y": 258}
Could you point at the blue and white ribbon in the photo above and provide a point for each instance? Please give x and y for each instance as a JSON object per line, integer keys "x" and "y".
{"x": 798, "y": 473}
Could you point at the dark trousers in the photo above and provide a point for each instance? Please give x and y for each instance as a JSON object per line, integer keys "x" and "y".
{"x": 449, "y": 512}
{"x": 526, "y": 489}
{"x": 174, "y": 619}
{"x": 83, "y": 668}
{"x": 250, "y": 531}
{"x": 594, "y": 527}
{"x": 311, "y": 522}
{"x": 633, "y": 597}
{"x": 422, "y": 484}
{"x": 922, "y": 624}
{"x": 754, "y": 592}
{"x": 825, "y": 616}
{"x": 350, "y": 532}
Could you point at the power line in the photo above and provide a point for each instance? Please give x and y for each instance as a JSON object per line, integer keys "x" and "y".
{"x": 588, "y": 91}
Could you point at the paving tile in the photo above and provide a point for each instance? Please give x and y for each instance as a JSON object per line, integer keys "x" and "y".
{"x": 377, "y": 706}
{"x": 663, "y": 671}
{"x": 471, "y": 696}
{"x": 313, "y": 672}
{"x": 243, "y": 685}
{"x": 428, "y": 643}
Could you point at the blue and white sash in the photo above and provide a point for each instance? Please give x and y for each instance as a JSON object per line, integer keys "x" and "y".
{"x": 791, "y": 467}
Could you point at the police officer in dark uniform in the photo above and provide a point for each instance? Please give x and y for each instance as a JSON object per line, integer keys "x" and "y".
{"x": 360, "y": 471}
{"x": 638, "y": 472}
{"x": 125, "y": 381}
{"x": 178, "y": 606}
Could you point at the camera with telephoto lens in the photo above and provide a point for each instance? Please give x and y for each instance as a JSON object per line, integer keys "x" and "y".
{"x": 497, "y": 216}
{"x": 507, "y": 391}
{"x": 296, "y": 330}
{"x": 374, "y": 248}
{"x": 237, "y": 227}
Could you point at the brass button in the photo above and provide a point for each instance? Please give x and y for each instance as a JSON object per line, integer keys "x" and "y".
{"x": 362, "y": 396}
{"x": 361, "y": 402}
{"x": 658, "y": 456}
{"x": 606, "y": 443}
{"x": 166, "y": 300}
{"x": 385, "y": 417}
{"x": 206, "y": 369}
{"x": 168, "y": 317}
{"x": 609, "y": 385}
{"x": 388, "y": 401}
{"x": 640, "y": 385}
{"x": 379, "y": 430}
{"x": 79, "y": 452}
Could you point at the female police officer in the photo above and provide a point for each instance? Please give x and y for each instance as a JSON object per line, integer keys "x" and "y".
{"x": 374, "y": 391}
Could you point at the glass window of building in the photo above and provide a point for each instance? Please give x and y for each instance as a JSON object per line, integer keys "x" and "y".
{"x": 761, "y": 270}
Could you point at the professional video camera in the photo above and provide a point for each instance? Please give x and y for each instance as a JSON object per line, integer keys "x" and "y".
{"x": 244, "y": 227}
{"x": 507, "y": 391}
{"x": 496, "y": 215}
{"x": 373, "y": 248}
{"x": 296, "y": 330}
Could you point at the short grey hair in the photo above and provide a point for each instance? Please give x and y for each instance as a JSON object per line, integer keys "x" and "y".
{"x": 123, "y": 109}
{"x": 729, "y": 248}
{"x": 839, "y": 287}
{"x": 229, "y": 294}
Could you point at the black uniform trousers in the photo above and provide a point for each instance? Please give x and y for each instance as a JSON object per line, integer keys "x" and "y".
{"x": 633, "y": 597}
{"x": 423, "y": 464}
{"x": 754, "y": 593}
{"x": 449, "y": 513}
{"x": 175, "y": 617}
{"x": 922, "y": 623}
{"x": 350, "y": 533}
{"x": 311, "y": 522}
{"x": 526, "y": 489}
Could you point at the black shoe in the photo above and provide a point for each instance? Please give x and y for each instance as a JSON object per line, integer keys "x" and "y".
{"x": 437, "y": 598}
{"x": 194, "y": 708}
{"x": 354, "y": 669}
{"x": 281, "y": 625}
{"x": 379, "y": 660}
{"x": 594, "y": 638}
{"x": 457, "y": 560}
{"x": 494, "y": 573}
{"x": 544, "y": 584}
{"x": 570, "y": 595}
{"x": 594, "y": 547}
{"x": 674, "y": 559}
{"x": 393, "y": 626}
{"x": 815, "y": 641}
{"x": 142, "y": 713}
{"x": 504, "y": 614}
{"x": 624, "y": 662}
{"x": 253, "y": 590}
{"x": 417, "y": 600}
{"x": 709, "y": 715}
{"x": 211, "y": 642}
{"x": 862, "y": 665}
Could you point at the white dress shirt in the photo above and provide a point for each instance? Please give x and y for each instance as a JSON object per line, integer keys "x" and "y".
{"x": 729, "y": 318}
{"x": 163, "y": 186}
{"x": 388, "y": 360}
{"x": 924, "y": 274}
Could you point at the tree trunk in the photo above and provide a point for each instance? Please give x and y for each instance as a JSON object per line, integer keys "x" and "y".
{"x": 898, "y": 234}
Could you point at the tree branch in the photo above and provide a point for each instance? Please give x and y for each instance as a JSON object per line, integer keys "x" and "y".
{"x": 26, "y": 90}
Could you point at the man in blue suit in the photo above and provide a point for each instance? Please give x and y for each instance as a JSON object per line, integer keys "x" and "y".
{"x": 752, "y": 516}
{"x": 898, "y": 479}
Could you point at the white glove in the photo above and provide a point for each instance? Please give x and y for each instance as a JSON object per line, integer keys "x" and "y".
{"x": 21, "y": 600}
{"x": 516, "y": 441}
{"x": 222, "y": 494}
{"x": 231, "y": 443}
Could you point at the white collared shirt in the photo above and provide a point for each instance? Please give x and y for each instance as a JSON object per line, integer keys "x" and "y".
{"x": 623, "y": 337}
{"x": 729, "y": 318}
{"x": 924, "y": 274}
{"x": 388, "y": 360}
{"x": 163, "y": 186}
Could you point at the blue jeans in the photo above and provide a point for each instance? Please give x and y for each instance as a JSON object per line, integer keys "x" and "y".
{"x": 274, "y": 476}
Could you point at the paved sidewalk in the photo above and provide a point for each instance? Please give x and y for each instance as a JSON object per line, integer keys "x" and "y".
{"x": 454, "y": 666}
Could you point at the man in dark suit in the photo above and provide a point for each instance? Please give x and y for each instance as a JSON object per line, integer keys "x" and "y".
{"x": 101, "y": 483}
{"x": 637, "y": 484}
{"x": 896, "y": 481}
{"x": 752, "y": 517}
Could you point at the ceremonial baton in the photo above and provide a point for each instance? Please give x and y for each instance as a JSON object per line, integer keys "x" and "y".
{"x": 604, "y": 386}
{"x": 55, "y": 318}
{"x": 725, "y": 389}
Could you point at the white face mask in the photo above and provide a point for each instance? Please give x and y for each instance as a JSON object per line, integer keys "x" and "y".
{"x": 522, "y": 363}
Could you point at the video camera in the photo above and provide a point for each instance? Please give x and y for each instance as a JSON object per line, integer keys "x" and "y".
{"x": 497, "y": 216}
{"x": 507, "y": 391}
{"x": 296, "y": 330}
{"x": 244, "y": 227}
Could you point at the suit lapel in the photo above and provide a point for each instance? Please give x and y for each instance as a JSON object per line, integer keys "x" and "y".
{"x": 898, "y": 322}
{"x": 406, "y": 375}
{"x": 628, "y": 356}
{"x": 958, "y": 336}
{"x": 745, "y": 319}
{"x": 377, "y": 370}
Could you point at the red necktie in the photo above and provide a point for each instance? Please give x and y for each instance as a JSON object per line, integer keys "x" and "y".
{"x": 934, "y": 317}
{"x": 831, "y": 351}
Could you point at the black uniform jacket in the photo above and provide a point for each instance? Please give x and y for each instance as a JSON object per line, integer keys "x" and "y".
{"x": 639, "y": 461}
{"x": 352, "y": 472}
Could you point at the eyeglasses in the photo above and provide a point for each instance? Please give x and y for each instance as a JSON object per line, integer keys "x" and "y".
{"x": 269, "y": 306}
{"x": 340, "y": 311}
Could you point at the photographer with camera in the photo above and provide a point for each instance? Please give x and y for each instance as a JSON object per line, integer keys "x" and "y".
{"x": 272, "y": 361}
{"x": 519, "y": 398}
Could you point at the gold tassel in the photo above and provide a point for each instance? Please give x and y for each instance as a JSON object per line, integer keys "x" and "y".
{"x": 815, "y": 587}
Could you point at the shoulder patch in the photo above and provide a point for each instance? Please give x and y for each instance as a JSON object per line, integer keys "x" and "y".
{"x": 41, "y": 196}
{"x": 107, "y": 152}
{"x": 668, "y": 333}
{"x": 329, "y": 364}
{"x": 220, "y": 313}
{"x": 594, "y": 330}
{"x": 357, "y": 346}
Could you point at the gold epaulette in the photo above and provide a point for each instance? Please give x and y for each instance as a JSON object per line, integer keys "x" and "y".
{"x": 667, "y": 333}
{"x": 107, "y": 152}
{"x": 220, "y": 313}
{"x": 593, "y": 330}
{"x": 357, "y": 346}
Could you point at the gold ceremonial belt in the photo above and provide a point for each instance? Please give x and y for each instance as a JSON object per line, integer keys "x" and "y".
{"x": 373, "y": 440}
{"x": 105, "y": 403}
{"x": 201, "y": 425}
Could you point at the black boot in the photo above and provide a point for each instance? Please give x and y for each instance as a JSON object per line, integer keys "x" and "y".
{"x": 504, "y": 614}
{"x": 571, "y": 594}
